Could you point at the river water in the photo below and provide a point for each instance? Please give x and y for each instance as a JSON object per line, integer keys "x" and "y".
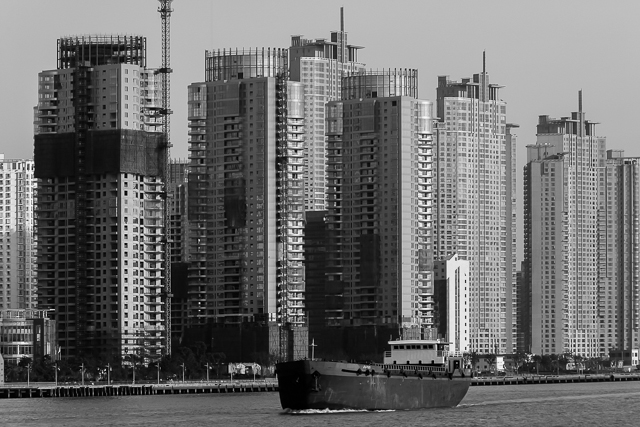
{"x": 593, "y": 404}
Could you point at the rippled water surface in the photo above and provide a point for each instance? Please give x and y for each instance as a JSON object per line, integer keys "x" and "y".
{"x": 612, "y": 404}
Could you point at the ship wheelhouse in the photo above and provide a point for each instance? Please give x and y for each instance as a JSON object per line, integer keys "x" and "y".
{"x": 416, "y": 352}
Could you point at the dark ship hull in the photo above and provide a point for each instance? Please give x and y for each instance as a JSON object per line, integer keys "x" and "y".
{"x": 307, "y": 384}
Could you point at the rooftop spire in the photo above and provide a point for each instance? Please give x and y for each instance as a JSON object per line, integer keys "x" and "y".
{"x": 580, "y": 101}
{"x": 484, "y": 62}
{"x": 342, "y": 19}
{"x": 581, "y": 128}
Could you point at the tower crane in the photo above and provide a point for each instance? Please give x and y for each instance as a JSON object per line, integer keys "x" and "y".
{"x": 165, "y": 112}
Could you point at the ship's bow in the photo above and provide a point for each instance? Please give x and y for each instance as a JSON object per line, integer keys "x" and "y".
{"x": 293, "y": 384}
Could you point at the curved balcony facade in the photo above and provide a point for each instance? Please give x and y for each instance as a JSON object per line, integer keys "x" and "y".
{"x": 380, "y": 84}
{"x": 245, "y": 63}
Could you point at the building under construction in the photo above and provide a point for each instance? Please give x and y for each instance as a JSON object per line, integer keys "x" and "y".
{"x": 100, "y": 155}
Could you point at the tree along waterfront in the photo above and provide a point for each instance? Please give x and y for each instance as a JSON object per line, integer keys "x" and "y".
{"x": 520, "y": 363}
{"x": 195, "y": 362}
{"x": 188, "y": 363}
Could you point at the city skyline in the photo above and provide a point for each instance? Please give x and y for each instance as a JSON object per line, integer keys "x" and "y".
{"x": 517, "y": 50}
{"x": 120, "y": 119}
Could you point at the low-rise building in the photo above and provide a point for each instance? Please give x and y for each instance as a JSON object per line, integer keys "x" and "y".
{"x": 620, "y": 358}
{"x": 26, "y": 333}
{"x": 490, "y": 363}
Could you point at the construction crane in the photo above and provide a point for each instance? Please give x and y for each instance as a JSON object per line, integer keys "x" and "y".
{"x": 165, "y": 112}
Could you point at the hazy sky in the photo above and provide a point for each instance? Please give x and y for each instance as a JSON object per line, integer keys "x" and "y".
{"x": 542, "y": 51}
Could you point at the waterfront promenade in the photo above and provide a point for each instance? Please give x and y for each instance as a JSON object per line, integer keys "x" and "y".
{"x": 554, "y": 379}
{"x": 24, "y": 390}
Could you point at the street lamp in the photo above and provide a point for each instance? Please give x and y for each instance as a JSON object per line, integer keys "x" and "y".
{"x": 158, "y": 366}
{"x": 182, "y": 364}
{"x": 207, "y": 365}
{"x": 28, "y": 374}
{"x": 55, "y": 372}
{"x": 82, "y": 372}
{"x": 108, "y": 374}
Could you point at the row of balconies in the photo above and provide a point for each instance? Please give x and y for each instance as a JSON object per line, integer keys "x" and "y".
{"x": 153, "y": 284}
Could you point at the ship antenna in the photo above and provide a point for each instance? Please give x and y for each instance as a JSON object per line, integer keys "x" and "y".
{"x": 313, "y": 346}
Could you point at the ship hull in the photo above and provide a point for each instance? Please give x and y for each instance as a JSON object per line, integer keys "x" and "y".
{"x": 308, "y": 384}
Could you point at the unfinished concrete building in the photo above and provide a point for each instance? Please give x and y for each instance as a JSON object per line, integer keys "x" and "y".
{"x": 99, "y": 155}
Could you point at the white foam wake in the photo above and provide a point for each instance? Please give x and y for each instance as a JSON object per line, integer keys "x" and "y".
{"x": 328, "y": 411}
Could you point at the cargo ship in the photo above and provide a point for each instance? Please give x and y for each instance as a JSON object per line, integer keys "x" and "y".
{"x": 414, "y": 374}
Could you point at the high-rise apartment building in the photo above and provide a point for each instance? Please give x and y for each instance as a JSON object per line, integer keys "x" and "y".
{"x": 17, "y": 239}
{"x": 245, "y": 191}
{"x": 619, "y": 269}
{"x": 512, "y": 288}
{"x": 564, "y": 179}
{"x": 451, "y": 295}
{"x": 99, "y": 157}
{"x": 475, "y": 203}
{"x": 320, "y": 65}
{"x": 379, "y": 199}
